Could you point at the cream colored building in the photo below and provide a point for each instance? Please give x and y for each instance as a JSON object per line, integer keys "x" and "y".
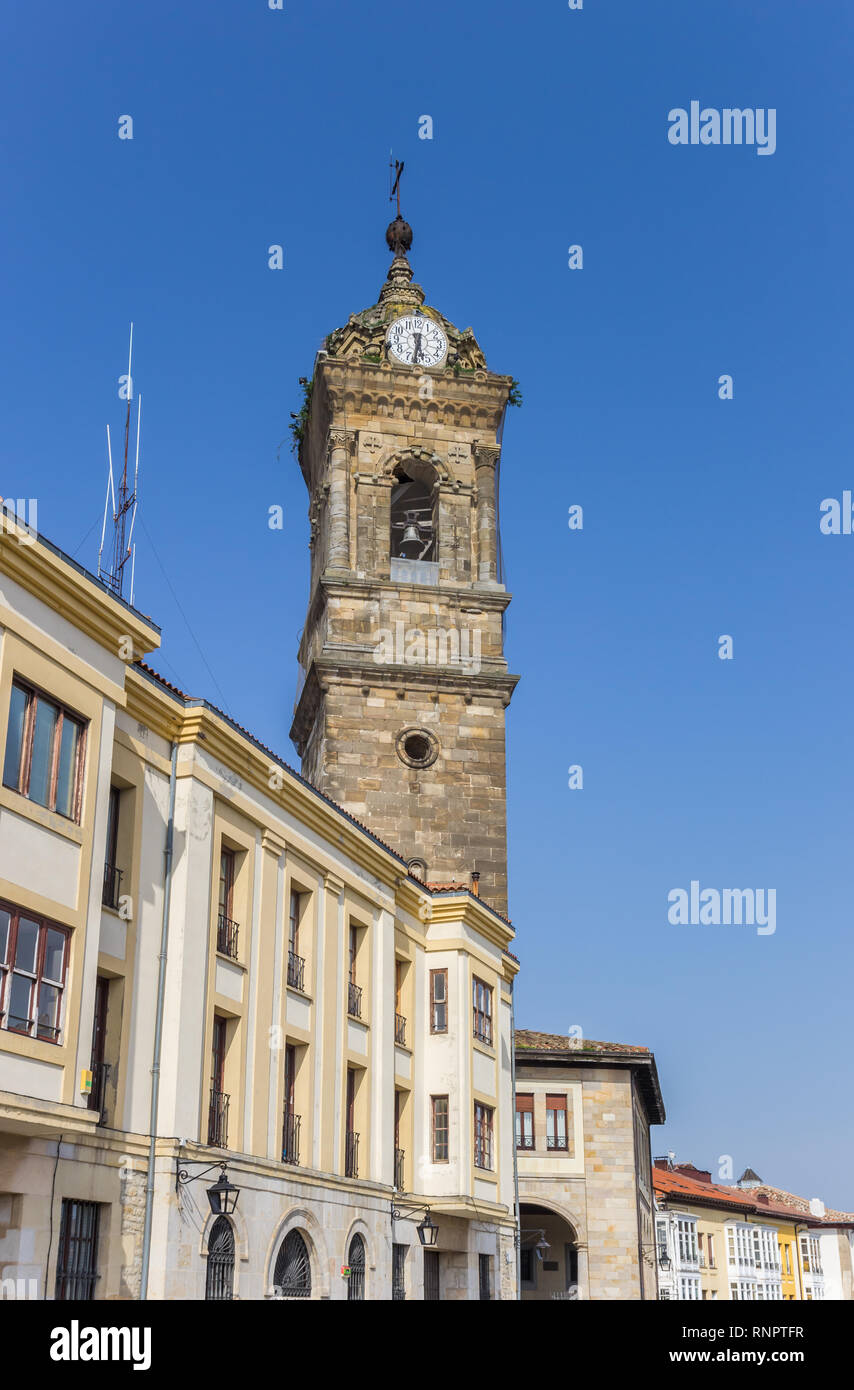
{"x": 317, "y": 1004}
{"x": 583, "y": 1115}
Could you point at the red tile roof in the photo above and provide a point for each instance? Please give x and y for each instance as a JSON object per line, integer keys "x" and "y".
{"x": 669, "y": 1183}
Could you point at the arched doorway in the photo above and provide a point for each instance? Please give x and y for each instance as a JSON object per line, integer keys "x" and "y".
{"x": 292, "y": 1275}
{"x": 356, "y": 1261}
{"x": 548, "y": 1255}
{"x": 219, "y": 1286}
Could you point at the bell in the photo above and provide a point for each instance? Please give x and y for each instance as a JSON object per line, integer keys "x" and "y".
{"x": 410, "y": 545}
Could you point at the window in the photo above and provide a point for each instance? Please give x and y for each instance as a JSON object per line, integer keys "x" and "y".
{"x": 438, "y": 1001}
{"x": 354, "y": 992}
{"x": 296, "y": 963}
{"x": 351, "y": 1155}
{"x": 219, "y": 1285}
{"x": 484, "y": 1273}
{"x": 33, "y": 963}
{"x": 482, "y": 1136}
{"x": 44, "y": 752}
{"x": 710, "y": 1245}
{"x": 556, "y": 1132}
{"x": 686, "y": 1234}
{"x": 399, "y": 1016}
{"x": 227, "y": 928}
{"x": 292, "y": 1275}
{"x": 439, "y": 1106}
{"x": 524, "y": 1122}
{"x": 97, "y": 1064}
{"x": 482, "y": 1009}
{"x": 398, "y": 1272}
{"x": 293, "y": 922}
{"x": 77, "y": 1257}
{"x": 356, "y": 1263}
{"x": 112, "y": 874}
{"x": 218, "y": 1110}
{"x": 290, "y": 1121}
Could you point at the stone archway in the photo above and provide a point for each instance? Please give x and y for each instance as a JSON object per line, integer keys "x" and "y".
{"x": 552, "y": 1266}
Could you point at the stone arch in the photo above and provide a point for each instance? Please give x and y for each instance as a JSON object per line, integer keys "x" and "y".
{"x": 564, "y": 1230}
{"x": 418, "y": 463}
{"x": 306, "y": 1223}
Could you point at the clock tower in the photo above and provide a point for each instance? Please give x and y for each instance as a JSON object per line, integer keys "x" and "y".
{"x": 401, "y": 712}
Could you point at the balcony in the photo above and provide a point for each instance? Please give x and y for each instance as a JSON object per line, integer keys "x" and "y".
{"x": 354, "y": 1000}
{"x": 558, "y": 1142}
{"x": 525, "y": 1141}
{"x": 399, "y": 1157}
{"x": 111, "y": 888}
{"x": 290, "y": 1137}
{"x": 218, "y": 1119}
{"x": 296, "y": 971}
{"x": 226, "y": 936}
{"x": 100, "y": 1072}
{"x": 351, "y": 1156}
{"x": 400, "y": 1030}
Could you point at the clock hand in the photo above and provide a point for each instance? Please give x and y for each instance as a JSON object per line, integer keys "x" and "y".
{"x": 417, "y": 337}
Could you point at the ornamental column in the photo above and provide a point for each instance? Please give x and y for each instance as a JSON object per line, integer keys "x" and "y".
{"x": 486, "y": 458}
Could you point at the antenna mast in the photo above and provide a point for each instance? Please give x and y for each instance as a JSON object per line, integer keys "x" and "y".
{"x": 123, "y": 504}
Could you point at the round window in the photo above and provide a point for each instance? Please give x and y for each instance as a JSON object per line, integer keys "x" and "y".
{"x": 417, "y": 747}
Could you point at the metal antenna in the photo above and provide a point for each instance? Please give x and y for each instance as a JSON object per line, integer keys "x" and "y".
{"x": 123, "y": 506}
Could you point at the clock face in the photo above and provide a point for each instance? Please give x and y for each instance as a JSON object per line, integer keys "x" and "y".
{"x": 417, "y": 341}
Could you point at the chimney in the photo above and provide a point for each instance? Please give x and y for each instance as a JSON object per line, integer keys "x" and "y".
{"x": 698, "y": 1174}
{"x": 661, "y": 1163}
{"x": 475, "y": 883}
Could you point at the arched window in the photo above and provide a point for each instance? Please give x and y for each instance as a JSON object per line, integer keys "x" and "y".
{"x": 356, "y": 1261}
{"x": 292, "y": 1277}
{"x": 220, "y": 1280}
{"x": 413, "y": 523}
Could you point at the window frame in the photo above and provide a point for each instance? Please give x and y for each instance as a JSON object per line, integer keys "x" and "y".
{"x": 36, "y": 977}
{"x": 22, "y": 785}
{"x": 435, "y": 1129}
{"x": 484, "y": 1148}
{"x": 526, "y": 1109}
{"x": 438, "y": 1003}
{"x": 482, "y": 995}
{"x": 562, "y": 1108}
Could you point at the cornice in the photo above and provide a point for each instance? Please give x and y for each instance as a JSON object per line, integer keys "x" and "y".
{"x": 77, "y": 596}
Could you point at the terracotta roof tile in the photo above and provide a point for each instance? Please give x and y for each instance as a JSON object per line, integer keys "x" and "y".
{"x": 558, "y": 1042}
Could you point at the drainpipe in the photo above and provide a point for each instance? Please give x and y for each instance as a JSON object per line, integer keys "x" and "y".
{"x": 518, "y": 1241}
{"x": 158, "y": 1029}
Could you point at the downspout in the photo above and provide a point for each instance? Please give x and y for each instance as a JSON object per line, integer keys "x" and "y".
{"x": 158, "y": 1030}
{"x": 518, "y": 1240}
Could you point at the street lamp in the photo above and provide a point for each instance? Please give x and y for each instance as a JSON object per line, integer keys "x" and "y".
{"x": 222, "y": 1196}
{"x": 428, "y": 1231}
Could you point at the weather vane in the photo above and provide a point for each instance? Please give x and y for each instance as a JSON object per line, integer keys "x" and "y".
{"x": 396, "y": 167}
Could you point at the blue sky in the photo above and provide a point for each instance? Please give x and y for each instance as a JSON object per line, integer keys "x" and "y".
{"x": 701, "y": 517}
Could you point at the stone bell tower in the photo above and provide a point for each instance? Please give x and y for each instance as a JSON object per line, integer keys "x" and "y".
{"x": 401, "y": 714}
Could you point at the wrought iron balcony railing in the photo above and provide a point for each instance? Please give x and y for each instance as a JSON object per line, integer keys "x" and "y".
{"x": 399, "y": 1169}
{"x": 111, "y": 889}
{"x": 524, "y": 1141}
{"x": 290, "y": 1137}
{"x": 226, "y": 936}
{"x": 351, "y": 1158}
{"x": 354, "y": 999}
{"x": 296, "y": 970}
{"x": 218, "y": 1119}
{"x": 400, "y": 1029}
{"x": 556, "y": 1141}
